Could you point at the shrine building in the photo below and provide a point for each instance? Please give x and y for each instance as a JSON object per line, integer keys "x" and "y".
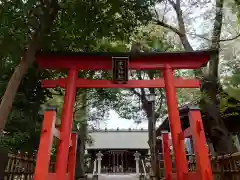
{"x": 117, "y": 149}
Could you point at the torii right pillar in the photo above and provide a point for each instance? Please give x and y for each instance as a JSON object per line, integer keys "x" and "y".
{"x": 203, "y": 165}
{"x": 204, "y": 171}
{"x": 175, "y": 124}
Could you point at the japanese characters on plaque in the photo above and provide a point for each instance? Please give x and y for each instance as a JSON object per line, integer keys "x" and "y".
{"x": 120, "y": 70}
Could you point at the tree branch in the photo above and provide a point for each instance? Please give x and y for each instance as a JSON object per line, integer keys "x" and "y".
{"x": 221, "y": 40}
{"x": 163, "y": 24}
{"x": 182, "y": 31}
{"x": 231, "y": 39}
{"x": 174, "y": 5}
{"x": 136, "y": 93}
{"x": 177, "y": 31}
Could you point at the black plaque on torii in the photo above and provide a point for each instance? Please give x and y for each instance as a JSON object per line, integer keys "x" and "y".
{"x": 120, "y": 69}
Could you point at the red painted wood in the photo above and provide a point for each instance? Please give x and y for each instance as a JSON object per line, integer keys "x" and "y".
{"x": 187, "y": 132}
{"x": 175, "y": 125}
{"x": 157, "y": 83}
{"x": 52, "y": 176}
{"x": 174, "y": 176}
{"x": 191, "y": 176}
{"x": 66, "y": 125}
{"x": 182, "y": 60}
{"x": 166, "y": 156}
{"x": 72, "y": 157}
{"x": 45, "y": 146}
{"x": 203, "y": 165}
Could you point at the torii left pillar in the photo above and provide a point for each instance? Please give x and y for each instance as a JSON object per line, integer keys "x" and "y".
{"x": 174, "y": 122}
{"x": 66, "y": 125}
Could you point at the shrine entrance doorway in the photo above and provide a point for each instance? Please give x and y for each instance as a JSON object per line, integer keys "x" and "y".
{"x": 118, "y": 161}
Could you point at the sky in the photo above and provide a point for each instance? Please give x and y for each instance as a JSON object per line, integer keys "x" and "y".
{"x": 114, "y": 122}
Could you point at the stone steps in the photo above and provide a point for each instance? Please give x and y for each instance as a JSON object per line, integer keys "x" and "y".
{"x": 118, "y": 177}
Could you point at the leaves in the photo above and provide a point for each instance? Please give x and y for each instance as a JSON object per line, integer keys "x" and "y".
{"x": 79, "y": 26}
{"x": 23, "y": 126}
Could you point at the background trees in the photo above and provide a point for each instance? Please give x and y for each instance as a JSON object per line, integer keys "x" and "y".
{"x": 29, "y": 26}
{"x": 219, "y": 134}
{"x": 75, "y": 26}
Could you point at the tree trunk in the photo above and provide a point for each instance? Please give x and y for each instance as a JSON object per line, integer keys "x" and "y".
{"x": 80, "y": 118}
{"x": 218, "y": 132}
{"x": 78, "y": 172}
{"x": 46, "y": 21}
{"x": 149, "y": 109}
{"x": 183, "y": 36}
{"x": 80, "y": 159}
{"x": 214, "y": 124}
{"x": 4, "y": 162}
{"x": 82, "y": 153}
{"x": 11, "y": 91}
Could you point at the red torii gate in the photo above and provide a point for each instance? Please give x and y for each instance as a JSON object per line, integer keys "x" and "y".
{"x": 167, "y": 62}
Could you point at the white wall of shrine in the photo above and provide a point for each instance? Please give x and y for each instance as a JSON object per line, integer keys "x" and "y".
{"x": 119, "y": 139}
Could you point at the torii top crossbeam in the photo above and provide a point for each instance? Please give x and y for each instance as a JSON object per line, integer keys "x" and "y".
{"x": 140, "y": 61}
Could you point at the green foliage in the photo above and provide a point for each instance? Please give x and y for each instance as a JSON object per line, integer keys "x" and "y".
{"x": 80, "y": 26}
{"x": 231, "y": 100}
{"x": 235, "y": 5}
{"x": 24, "y": 124}
{"x": 232, "y": 84}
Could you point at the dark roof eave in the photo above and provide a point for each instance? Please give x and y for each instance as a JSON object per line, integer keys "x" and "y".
{"x": 206, "y": 52}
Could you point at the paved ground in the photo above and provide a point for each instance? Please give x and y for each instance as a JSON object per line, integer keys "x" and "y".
{"x": 118, "y": 177}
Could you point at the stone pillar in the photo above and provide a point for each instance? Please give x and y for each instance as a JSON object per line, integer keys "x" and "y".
{"x": 122, "y": 162}
{"x": 99, "y": 159}
{"x": 94, "y": 166}
{"x": 88, "y": 160}
{"x": 114, "y": 163}
{"x": 137, "y": 159}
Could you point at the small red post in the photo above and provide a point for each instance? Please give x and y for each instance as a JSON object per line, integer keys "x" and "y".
{"x": 66, "y": 125}
{"x": 174, "y": 121}
{"x": 72, "y": 157}
{"x": 45, "y": 146}
{"x": 204, "y": 169}
{"x": 166, "y": 155}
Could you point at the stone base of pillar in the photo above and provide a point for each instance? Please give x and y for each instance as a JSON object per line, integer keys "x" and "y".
{"x": 155, "y": 178}
{"x": 142, "y": 177}
{"x": 83, "y": 177}
{"x": 95, "y": 177}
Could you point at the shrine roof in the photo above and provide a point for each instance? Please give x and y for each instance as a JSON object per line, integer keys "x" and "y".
{"x": 120, "y": 139}
{"x": 118, "y": 130}
{"x": 143, "y": 60}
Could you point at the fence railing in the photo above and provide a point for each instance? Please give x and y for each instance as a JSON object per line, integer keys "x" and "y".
{"x": 19, "y": 167}
{"x": 226, "y": 167}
